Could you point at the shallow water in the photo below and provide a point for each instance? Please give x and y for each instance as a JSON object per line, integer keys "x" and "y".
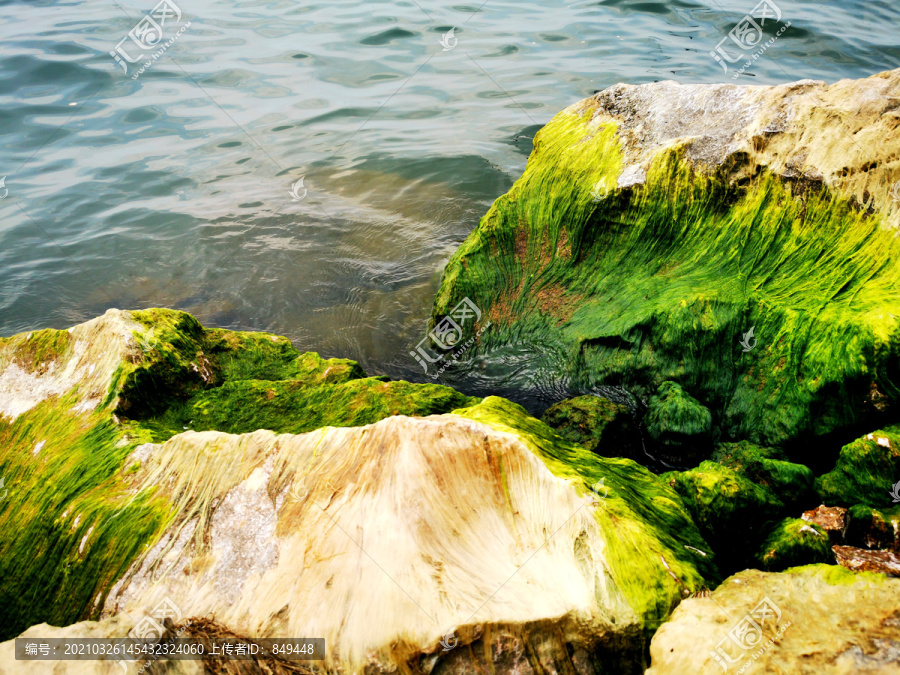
{"x": 173, "y": 189}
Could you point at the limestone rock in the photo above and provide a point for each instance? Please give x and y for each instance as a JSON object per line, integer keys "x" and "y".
{"x": 808, "y": 620}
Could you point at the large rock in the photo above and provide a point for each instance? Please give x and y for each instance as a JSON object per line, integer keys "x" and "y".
{"x": 793, "y": 483}
{"x": 736, "y": 240}
{"x": 481, "y": 528}
{"x": 75, "y": 403}
{"x": 598, "y": 424}
{"x": 808, "y": 620}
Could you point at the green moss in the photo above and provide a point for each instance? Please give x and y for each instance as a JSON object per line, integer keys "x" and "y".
{"x": 645, "y": 523}
{"x": 598, "y": 424}
{"x": 794, "y": 542}
{"x": 661, "y": 281}
{"x": 36, "y": 351}
{"x": 679, "y": 424}
{"x": 731, "y": 511}
{"x": 865, "y": 472}
{"x": 792, "y": 483}
{"x": 873, "y": 528}
{"x": 60, "y": 471}
{"x": 835, "y": 575}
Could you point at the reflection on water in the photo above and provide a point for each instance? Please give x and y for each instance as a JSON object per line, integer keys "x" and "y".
{"x": 174, "y": 189}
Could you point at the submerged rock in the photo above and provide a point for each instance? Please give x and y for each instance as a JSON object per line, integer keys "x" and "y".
{"x": 736, "y": 240}
{"x": 808, "y": 620}
{"x": 598, "y": 424}
{"x": 482, "y": 527}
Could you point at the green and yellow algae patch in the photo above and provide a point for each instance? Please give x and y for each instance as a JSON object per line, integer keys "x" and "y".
{"x": 601, "y": 279}
{"x": 866, "y": 471}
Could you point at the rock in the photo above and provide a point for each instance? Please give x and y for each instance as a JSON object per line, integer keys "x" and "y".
{"x": 679, "y": 425}
{"x": 732, "y": 512}
{"x": 679, "y": 232}
{"x": 871, "y": 528}
{"x": 482, "y": 527}
{"x": 861, "y": 560}
{"x": 831, "y": 519}
{"x": 794, "y": 542}
{"x": 808, "y": 620}
{"x": 74, "y": 404}
{"x": 793, "y": 483}
{"x": 598, "y": 424}
{"x": 866, "y": 471}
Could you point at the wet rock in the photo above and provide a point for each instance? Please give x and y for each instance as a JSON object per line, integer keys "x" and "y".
{"x": 598, "y": 424}
{"x": 679, "y": 425}
{"x": 807, "y": 620}
{"x": 873, "y": 528}
{"x": 794, "y": 542}
{"x": 668, "y": 232}
{"x": 793, "y": 483}
{"x": 866, "y": 471}
{"x": 862, "y": 560}
{"x": 832, "y": 519}
{"x": 733, "y": 513}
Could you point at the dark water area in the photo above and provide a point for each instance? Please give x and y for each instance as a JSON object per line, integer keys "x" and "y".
{"x": 178, "y": 186}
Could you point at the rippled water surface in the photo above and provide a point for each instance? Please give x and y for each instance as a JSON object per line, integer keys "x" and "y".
{"x": 173, "y": 189}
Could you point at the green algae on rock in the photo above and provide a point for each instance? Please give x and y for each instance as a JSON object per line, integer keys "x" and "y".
{"x": 794, "y": 542}
{"x": 598, "y": 424}
{"x": 792, "y": 483}
{"x": 731, "y": 511}
{"x": 640, "y": 246}
{"x": 873, "y": 528}
{"x": 865, "y": 473}
{"x": 75, "y": 403}
{"x": 679, "y": 424}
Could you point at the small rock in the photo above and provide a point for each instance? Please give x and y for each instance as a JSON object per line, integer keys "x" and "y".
{"x": 832, "y": 519}
{"x": 861, "y": 560}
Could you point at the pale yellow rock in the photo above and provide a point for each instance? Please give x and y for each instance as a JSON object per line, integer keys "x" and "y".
{"x": 815, "y": 619}
{"x": 845, "y": 135}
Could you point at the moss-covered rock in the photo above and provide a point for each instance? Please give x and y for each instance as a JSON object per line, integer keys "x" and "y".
{"x": 679, "y": 425}
{"x": 733, "y": 513}
{"x": 75, "y": 403}
{"x": 635, "y": 250}
{"x": 866, "y": 471}
{"x": 874, "y": 528}
{"x": 794, "y": 542}
{"x": 598, "y": 424}
{"x": 792, "y": 483}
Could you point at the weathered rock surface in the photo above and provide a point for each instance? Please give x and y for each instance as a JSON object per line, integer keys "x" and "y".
{"x": 862, "y": 560}
{"x": 815, "y": 619}
{"x": 832, "y": 519}
{"x": 382, "y": 538}
{"x": 739, "y": 241}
